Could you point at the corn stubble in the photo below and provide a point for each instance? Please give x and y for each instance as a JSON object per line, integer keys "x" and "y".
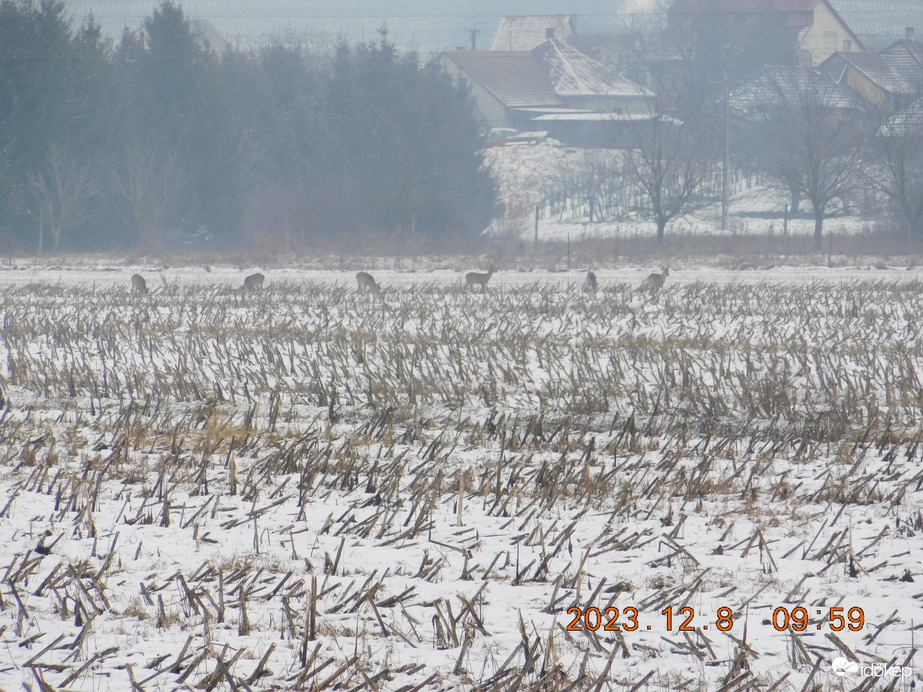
{"x": 537, "y": 446}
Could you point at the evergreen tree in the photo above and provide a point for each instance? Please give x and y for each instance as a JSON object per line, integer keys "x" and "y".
{"x": 404, "y": 145}
{"x": 180, "y": 104}
{"x": 35, "y": 45}
{"x": 274, "y": 96}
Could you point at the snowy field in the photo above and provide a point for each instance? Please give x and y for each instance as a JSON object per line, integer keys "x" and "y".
{"x": 718, "y": 487}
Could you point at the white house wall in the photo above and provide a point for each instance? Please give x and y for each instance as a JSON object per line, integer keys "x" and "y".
{"x": 827, "y": 35}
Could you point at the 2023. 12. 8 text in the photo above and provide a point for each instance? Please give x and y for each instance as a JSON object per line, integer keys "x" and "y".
{"x": 685, "y": 619}
{"x": 613, "y": 619}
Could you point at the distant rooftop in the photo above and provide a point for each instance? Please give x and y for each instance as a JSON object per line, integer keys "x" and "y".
{"x": 774, "y": 82}
{"x": 576, "y": 74}
{"x": 699, "y": 6}
{"x": 879, "y": 23}
{"x": 513, "y": 77}
{"x": 544, "y": 76}
{"x": 526, "y": 32}
{"x": 874, "y": 66}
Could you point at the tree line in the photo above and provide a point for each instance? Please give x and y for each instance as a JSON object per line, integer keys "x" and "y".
{"x": 738, "y": 103}
{"x": 156, "y": 141}
{"x": 791, "y": 129}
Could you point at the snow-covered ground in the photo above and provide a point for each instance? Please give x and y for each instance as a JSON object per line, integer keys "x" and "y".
{"x": 309, "y": 487}
{"x": 98, "y": 275}
{"x": 530, "y": 174}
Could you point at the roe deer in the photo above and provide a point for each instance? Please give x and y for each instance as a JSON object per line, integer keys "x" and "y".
{"x": 365, "y": 280}
{"x": 654, "y": 282}
{"x": 477, "y": 279}
{"x": 138, "y": 284}
{"x": 254, "y": 281}
{"x": 591, "y": 284}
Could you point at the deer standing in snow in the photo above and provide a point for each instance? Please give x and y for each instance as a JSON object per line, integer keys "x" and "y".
{"x": 654, "y": 282}
{"x": 253, "y": 282}
{"x": 138, "y": 284}
{"x": 473, "y": 279}
{"x": 365, "y": 281}
{"x": 591, "y": 285}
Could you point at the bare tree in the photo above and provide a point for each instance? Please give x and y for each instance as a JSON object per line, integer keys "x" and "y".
{"x": 149, "y": 179}
{"x": 814, "y": 141}
{"x": 898, "y": 170}
{"x": 61, "y": 190}
{"x": 668, "y": 161}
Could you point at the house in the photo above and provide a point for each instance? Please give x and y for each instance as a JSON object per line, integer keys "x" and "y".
{"x": 204, "y": 28}
{"x": 526, "y": 32}
{"x": 755, "y": 99}
{"x": 757, "y": 102}
{"x": 880, "y": 23}
{"x": 552, "y": 87}
{"x": 908, "y": 121}
{"x": 621, "y": 53}
{"x": 889, "y": 80}
{"x": 812, "y": 28}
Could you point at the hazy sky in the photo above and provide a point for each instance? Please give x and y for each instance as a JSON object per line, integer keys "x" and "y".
{"x": 426, "y": 25}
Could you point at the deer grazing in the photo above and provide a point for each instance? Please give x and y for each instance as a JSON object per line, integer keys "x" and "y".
{"x": 138, "y": 284}
{"x": 254, "y": 282}
{"x": 654, "y": 282}
{"x": 478, "y": 279}
{"x": 365, "y": 281}
{"x": 591, "y": 285}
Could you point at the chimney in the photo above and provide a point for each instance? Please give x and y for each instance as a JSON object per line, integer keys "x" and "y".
{"x": 909, "y": 33}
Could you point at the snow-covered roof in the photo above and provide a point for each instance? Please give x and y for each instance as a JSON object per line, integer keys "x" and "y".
{"x": 515, "y": 78}
{"x": 573, "y": 73}
{"x": 595, "y": 116}
{"x": 880, "y": 22}
{"x": 909, "y": 117}
{"x": 210, "y": 33}
{"x": 896, "y": 70}
{"x": 544, "y": 76}
{"x": 873, "y": 66}
{"x": 905, "y": 58}
{"x": 700, "y": 6}
{"x": 526, "y": 32}
{"x": 773, "y": 82}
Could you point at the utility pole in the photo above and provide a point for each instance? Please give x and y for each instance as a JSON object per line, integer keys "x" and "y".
{"x": 474, "y": 32}
{"x": 727, "y": 152}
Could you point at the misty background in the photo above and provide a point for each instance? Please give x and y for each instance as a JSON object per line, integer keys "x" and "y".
{"x": 420, "y": 25}
{"x": 120, "y": 128}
